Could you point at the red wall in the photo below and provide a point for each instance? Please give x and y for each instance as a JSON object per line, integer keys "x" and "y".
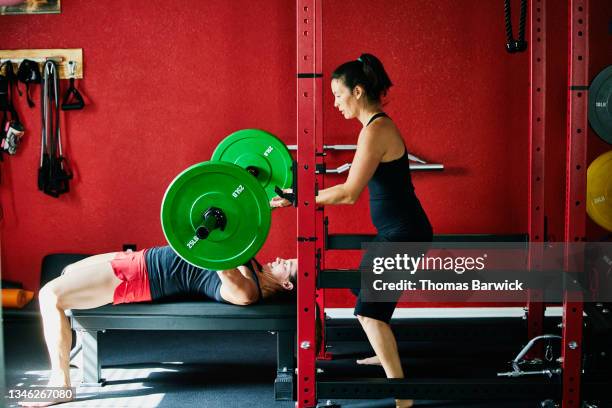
{"x": 166, "y": 81}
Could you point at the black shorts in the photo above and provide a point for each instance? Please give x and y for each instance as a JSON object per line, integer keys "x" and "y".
{"x": 384, "y": 310}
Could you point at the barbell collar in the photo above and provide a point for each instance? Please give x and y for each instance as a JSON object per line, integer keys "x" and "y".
{"x": 214, "y": 218}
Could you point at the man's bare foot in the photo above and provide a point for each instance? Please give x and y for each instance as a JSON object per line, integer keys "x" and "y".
{"x": 369, "y": 361}
{"x": 404, "y": 403}
{"x": 59, "y": 400}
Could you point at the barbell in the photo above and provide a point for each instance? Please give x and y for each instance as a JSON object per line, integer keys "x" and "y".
{"x": 216, "y": 214}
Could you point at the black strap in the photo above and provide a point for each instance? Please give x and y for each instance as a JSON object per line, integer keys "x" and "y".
{"x": 2, "y": 133}
{"x": 28, "y": 73}
{"x": 513, "y": 45}
{"x": 7, "y": 82}
{"x": 28, "y": 96}
{"x": 54, "y": 172}
{"x": 6, "y": 88}
{"x": 72, "y": 98}
{"x": 376, "y": 116}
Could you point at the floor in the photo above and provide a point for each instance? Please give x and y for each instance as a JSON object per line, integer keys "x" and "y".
{"x": 203, "y": 369}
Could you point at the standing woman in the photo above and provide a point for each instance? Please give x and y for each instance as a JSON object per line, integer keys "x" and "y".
{"x": 381, "y": 163}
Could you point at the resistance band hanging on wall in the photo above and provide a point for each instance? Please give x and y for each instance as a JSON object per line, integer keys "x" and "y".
{"x": 513, "y": 45}
{"x": 11, "y": 129}
{"x": 54, "y": 173}
{"x": 72, "y": 98}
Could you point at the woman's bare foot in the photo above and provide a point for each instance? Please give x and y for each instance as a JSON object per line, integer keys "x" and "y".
{"x": 404, "y": 403}
{"x": 369, "y": 361}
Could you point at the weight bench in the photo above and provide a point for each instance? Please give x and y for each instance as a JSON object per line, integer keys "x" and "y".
{"x": 278, "y": 317}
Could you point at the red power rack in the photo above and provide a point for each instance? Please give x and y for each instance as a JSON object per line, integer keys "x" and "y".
{"x": 575, "y": 193}
{"x": 537, "y": 143}
{"x": 309, "y": 134}
{"x": 309, "y": 130}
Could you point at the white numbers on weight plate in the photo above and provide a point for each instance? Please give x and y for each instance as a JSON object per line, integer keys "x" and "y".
{"x": 268, "y": 151}
{"x": 599, "y": 200}
{"x": 238, "y": 190}
{"x": 193, "y": 241}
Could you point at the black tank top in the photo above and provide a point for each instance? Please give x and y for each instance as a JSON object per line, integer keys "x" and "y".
{"x": 394, "y": 206}
{"x": 172, "y": 277}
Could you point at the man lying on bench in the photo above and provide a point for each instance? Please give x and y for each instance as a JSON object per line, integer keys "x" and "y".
{"x": 151, "y": 274}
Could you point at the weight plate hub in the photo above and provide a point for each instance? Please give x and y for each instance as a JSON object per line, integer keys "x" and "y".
{"x": 263, "y": 153}
{"x": 599, "y": 190}
{"x": 237, "y": 209}
{"x": 600, "y": 104}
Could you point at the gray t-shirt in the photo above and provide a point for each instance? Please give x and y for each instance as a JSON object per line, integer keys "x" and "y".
{"x": 172, "y": 277}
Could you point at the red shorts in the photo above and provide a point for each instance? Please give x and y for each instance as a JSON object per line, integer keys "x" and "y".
{"x": 131, "y": 268}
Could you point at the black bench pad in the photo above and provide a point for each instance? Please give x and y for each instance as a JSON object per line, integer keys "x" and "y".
{"x": 188, "y": 315}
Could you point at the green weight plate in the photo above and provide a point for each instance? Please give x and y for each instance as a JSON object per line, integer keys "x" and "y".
{"x": 600, "y": 104}
{"x": 261, "y": 150}
{"x": 232, "y": 190}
